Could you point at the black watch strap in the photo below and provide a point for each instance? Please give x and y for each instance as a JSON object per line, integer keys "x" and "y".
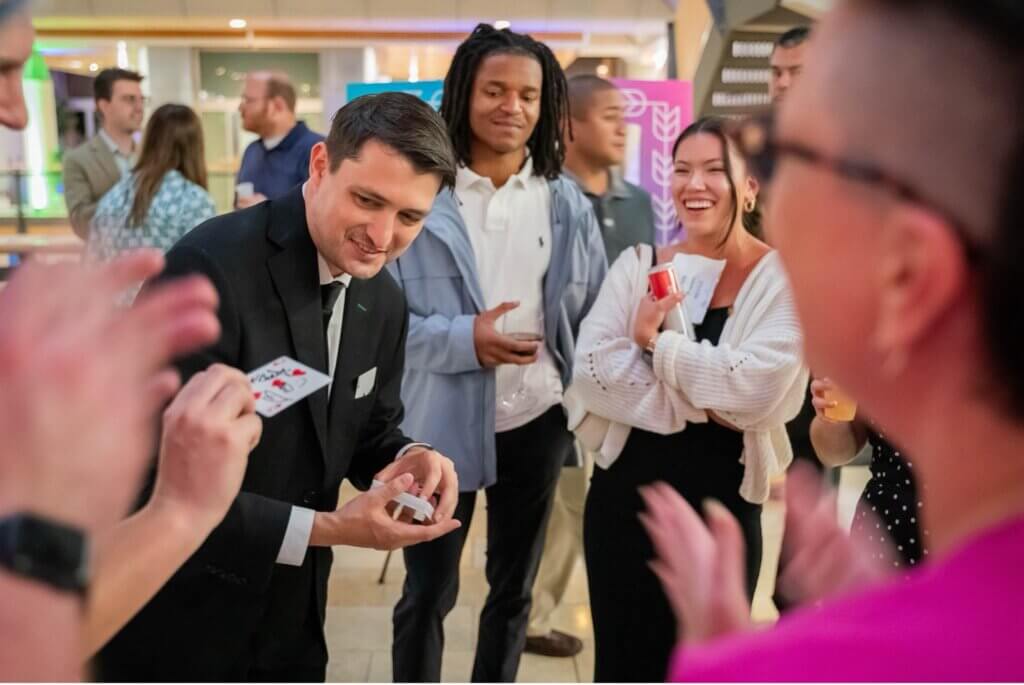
{"x": 43, "y": 550}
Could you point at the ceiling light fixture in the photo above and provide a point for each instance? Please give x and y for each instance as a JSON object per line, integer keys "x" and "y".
{"x": 502, "y": 24}
{"x": 238, "y": 23}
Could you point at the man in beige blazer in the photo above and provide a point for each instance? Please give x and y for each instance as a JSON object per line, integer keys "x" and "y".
{"x": 91, "y": 169}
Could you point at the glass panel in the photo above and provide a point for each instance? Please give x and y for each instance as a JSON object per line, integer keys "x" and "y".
{"x": 222, "y": 73}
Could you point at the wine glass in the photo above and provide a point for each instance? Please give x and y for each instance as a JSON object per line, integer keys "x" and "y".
{"x": 523, "y": 325}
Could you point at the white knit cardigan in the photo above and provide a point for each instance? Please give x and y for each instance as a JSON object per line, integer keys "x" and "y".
{"x": 754, "y": 378}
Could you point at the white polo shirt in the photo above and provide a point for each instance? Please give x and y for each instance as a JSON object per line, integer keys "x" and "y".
{"x": 510, "y": 230}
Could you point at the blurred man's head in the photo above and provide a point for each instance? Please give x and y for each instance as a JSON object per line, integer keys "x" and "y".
{"x": 119, "y": 100}
{"x": 894, "y": 201}
{"x": 16, "y": 37}
{"x": 373, "y": 181}
{"x": 268, "y": 103}
{"x": 596, "y": 110}
{"x": 787, "y": 61}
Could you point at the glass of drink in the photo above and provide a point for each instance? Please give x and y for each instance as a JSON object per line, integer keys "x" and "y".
{"x": 845, "y": 408}
{"x": 524, "y": 326}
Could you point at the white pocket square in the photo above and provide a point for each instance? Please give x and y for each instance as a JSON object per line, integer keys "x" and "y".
{"x": 364, "y": 385}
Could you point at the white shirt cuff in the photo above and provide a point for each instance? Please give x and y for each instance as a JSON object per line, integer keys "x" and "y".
{"x": 401, "y": 452}
{"x": 296, "y": 537}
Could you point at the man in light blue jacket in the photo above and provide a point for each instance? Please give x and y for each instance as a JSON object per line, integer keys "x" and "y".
{"x": 497, "y": 285}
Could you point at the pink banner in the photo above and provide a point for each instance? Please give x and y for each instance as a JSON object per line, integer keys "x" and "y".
{"x": 657, "y": 112}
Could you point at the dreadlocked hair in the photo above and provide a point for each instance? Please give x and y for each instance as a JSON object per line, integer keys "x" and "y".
{"x": 545, "y": 144}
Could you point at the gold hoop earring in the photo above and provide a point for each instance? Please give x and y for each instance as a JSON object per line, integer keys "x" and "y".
{"x": 749, "y": 205}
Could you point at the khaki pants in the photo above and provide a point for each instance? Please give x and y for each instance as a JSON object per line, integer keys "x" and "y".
{"x": 562, "y": 547}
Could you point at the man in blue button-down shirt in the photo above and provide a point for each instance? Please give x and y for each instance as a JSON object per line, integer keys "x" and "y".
{"x": 279, "y": 160}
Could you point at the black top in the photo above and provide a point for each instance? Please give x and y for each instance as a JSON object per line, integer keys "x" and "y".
{"x": 890, "y": 508}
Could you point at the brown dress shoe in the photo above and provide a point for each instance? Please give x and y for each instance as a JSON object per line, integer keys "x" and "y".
{"x": 555, "y": 643}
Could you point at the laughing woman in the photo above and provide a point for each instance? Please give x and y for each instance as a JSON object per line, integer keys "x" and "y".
{"x": 705, "y": 416}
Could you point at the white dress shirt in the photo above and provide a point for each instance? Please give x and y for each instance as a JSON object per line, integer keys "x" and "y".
{"x": 300, "y": 521}
{"x": 124, "y": 162}
{"x": 510, "y": 230}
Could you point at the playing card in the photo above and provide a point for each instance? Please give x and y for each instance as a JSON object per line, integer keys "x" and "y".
{"x": 283, "y": 382}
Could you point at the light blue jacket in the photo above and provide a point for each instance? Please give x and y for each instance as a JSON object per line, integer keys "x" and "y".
{"x": 449, "y": 398}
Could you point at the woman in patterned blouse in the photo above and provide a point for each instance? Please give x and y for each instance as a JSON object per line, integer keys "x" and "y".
{"x": 888, "y": 511}
{"x": 163, "y": 197}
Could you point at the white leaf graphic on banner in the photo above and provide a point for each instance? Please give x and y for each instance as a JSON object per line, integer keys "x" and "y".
{"x": 666, "y": 123}
{"x": 664, "y": 214}
{"x": 636, "y": 102}
{"x": 661, "y": 168}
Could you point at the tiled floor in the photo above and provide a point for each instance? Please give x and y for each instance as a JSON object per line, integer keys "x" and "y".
{"x": 359, "y": 608}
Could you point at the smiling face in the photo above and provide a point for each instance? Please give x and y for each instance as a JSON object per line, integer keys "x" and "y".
{"x": 705, "y": 199}
{"x": 369, "y": 210}
{"x": 506, "y": 102}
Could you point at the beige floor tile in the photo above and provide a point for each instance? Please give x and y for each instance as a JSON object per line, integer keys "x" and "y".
{"x": 359, "y": 587}
{"x": 456, "y": 665}
{"x": 370, "y": 629}
{"x": 349, "y": 666}
{"x": 545, "y": 669}
{"x": 773, "y": 519}
{"x": 380, "y": 667}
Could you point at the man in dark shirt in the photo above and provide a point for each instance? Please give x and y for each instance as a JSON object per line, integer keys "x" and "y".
{"x": 597, "y": 146}
{"x": 279, "y": 160}
{"x": 593, "y": 153}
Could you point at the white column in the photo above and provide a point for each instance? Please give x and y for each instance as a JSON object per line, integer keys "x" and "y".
{"x": 170, "y": 76}
{"x": 338, "y": 67}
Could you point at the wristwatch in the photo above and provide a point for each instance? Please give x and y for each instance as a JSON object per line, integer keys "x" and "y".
{"x": 45, "y": 551}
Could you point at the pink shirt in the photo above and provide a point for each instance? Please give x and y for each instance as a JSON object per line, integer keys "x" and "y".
{"x": 958, "y": 619}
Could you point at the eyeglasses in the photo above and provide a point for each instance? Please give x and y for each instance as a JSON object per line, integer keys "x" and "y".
{"x": 756, "y": 141}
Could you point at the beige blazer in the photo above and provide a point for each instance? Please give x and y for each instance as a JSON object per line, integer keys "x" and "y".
{"x": 89, "y": 172}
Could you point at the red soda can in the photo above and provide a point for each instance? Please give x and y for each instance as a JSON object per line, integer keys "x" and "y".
{"x": 663, "y": 282}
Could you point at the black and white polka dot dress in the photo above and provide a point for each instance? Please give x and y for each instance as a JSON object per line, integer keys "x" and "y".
{"x": 889, "y": 510}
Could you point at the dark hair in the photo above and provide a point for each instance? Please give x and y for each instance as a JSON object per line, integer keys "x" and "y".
{"x": 793, "y": 37}
{"x": 581, "y": 89}
{"x": 401, "y": 121}
{"x": 103, "y": 86}
{"x": 717, "y": 127}
{"x": 173, "y": 142}
{"x": 547, "y": 149}
{"x": 278, "y": 86}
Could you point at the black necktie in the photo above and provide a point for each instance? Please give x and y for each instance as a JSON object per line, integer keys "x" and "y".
{"x": 329, "y": 294}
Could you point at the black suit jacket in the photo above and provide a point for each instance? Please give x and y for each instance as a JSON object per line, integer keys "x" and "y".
{"x": 231, "y": 595}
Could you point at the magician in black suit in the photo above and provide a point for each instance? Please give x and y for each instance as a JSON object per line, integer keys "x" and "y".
{"x": 303, "y": 276}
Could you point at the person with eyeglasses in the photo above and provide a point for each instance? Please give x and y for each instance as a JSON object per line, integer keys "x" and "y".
{"x": 896, "y": 217}
{"x": 703, "y": 416}
{"x": 93, "y": 168}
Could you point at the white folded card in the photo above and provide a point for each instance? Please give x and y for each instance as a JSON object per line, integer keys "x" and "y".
{"x": 698, "y": 278}
{"x": 364, "y": 385}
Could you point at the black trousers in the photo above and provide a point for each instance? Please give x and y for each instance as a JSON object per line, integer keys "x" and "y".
{"x": 518, "y": 506}
{"x": 635, "y": 629}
